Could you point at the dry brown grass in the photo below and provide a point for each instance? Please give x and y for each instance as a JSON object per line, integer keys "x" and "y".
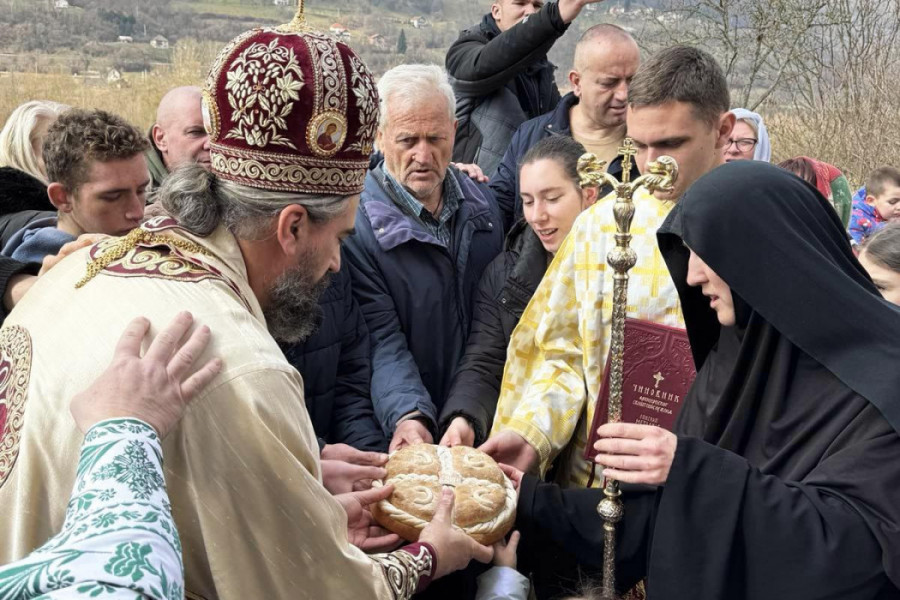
{"x": 855, "y": 136}
{"x": 135, "y": 100}
{"x": 853, "y": 133}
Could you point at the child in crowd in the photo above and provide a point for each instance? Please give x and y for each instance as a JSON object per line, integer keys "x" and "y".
{"x": 503, "y": 581}
{"x": 880, "y": 205}
{"x": 881, "y": 258}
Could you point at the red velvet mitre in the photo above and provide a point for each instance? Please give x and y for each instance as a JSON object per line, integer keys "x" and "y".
{"x": 291, "y": 109}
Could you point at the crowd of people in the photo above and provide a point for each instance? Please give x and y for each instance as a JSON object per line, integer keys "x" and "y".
{"x": 313, "y": 269}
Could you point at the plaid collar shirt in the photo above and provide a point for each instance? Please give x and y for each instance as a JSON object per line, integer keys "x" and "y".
{"x": 438, "y": 226}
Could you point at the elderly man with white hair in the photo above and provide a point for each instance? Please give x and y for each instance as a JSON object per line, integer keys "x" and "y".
{"x": 424, "y": 234}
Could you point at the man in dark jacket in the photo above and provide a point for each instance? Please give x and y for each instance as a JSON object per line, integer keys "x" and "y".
{"x": 501, "y": 75}
{"x": 23, "y": 200}
{"x": 337, "y": 370}
{"x": 606, "y": 59}
{"x": 424, "y": 234}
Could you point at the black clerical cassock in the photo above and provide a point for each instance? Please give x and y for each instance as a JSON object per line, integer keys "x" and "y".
{"x": 786, "y": 479}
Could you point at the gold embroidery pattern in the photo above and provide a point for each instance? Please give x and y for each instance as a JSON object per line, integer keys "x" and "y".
{"x": 161, "y": 223}
{"x": 223, "y": 56}
{"x": 346, "y": 177}
{"x": 106, "y": 252}
{"x": 403, "y": 569}
{"x": 332, "y": 75}
{"x": 15, "y": 373}
{"x": 362, "y": 83}
{"x": 263, "y": 84}
{"x": 210, "y": 112}
{"x": 161, "y": 257}
{"x": 166, "y": 263}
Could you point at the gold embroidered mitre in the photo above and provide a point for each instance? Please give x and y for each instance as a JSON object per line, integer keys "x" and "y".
{"x": 291, "y": 109}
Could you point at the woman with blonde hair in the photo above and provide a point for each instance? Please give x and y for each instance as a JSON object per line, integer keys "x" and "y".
{"x": 23, "y": 179}
{"x": 22, "y": 137}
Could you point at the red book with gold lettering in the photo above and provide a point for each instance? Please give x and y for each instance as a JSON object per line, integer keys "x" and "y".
{"x": 658, "y": 370}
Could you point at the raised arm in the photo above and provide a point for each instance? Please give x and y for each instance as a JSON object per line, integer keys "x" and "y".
{"x": 479, "y": 69}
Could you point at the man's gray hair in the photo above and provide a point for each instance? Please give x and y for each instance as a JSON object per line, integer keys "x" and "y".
{"x": 200, "y": 201}
{"x": 411, "y": 83}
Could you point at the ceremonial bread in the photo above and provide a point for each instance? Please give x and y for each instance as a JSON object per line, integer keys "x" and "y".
{"x": 485, "y": 506}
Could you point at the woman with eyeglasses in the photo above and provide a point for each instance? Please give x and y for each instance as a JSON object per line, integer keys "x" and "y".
{"x": 749, "y": 139}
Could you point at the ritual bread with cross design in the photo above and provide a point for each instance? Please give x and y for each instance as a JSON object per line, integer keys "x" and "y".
{"x": 485, "y": 506}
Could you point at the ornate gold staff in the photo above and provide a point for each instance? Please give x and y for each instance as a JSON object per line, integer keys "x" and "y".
{"x": 661, "y": 175}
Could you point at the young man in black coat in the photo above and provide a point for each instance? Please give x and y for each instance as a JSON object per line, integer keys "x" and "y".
{"x": 501, "y": 76}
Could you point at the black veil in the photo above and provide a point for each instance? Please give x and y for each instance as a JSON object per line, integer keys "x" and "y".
{"x": 806, "y": 386}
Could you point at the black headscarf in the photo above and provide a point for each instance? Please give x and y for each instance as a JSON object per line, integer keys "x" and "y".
{"x": 806, "y": 385}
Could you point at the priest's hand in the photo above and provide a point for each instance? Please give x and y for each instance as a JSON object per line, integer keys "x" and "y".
{"x": 155, "y": 388}
{"x": 459, "y": 433}
{"x": 454, "y": 548}
{"x": 340, "y": 477}
{"x": 362, "y": 529}
{"x": 409, "y": 432}
{"x": 635, "y": 453}
{"x": 512, "y": 449}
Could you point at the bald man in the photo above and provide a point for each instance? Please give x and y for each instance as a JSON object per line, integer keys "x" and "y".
{"x": 606, "y": 58}
{"x": 178, "y": 135}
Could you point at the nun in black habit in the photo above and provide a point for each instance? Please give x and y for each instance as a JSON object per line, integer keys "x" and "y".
{"x": 782, "y": 479}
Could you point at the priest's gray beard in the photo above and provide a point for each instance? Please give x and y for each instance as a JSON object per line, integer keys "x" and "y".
{"x": 293, "y": 313}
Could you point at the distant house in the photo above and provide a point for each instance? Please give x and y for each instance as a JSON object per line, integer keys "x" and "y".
{"x": 338, "y": 29}
{"x": 282, "y": 2}
{"x": 419, "y": 22}
{"x": 61, "y": 4}
{"x": 159, "y": 42}
{"x": 125, "y": 39}
{"x": 377, "y": 40}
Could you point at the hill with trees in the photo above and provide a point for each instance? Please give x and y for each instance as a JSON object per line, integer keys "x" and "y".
{"x": 821, "y": 71}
